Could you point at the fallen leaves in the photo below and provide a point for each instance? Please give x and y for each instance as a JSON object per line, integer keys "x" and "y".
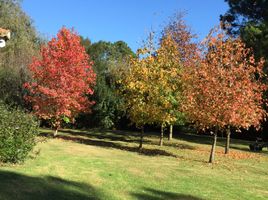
{"x": 233, "y": 154}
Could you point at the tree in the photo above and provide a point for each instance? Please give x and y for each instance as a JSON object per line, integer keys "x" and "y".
{"x": 134, "y": 89}
{"x": 85, "y": 42}
{"x": 249, "y": 20}
{"x": 225, "y": 89}
{"x": 183, "y": 37}
{"x": 187, "y": 49}
{"x": 63, "y": 76}
{"x": 166, "y": 90}
{"x": 151, "y": 87}
{"x": 107, "y": 57}
{"x": 17, "y": 55}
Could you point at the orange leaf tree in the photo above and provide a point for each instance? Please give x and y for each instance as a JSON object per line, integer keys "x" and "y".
{"x": 62, "y": 79}
{"x": 225, "y": 89}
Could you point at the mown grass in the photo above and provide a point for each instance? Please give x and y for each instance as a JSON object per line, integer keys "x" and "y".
{"x": 108, "y": 165}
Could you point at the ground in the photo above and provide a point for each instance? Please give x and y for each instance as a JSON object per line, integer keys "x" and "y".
{"x": 107, "y": 165}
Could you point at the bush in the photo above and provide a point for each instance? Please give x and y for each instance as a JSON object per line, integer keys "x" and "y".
{"x": 17, "y": 134}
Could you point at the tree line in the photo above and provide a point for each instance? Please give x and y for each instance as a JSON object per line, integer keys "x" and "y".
{"x": 215, "y": 85}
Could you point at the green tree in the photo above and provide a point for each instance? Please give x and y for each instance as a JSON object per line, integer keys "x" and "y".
{"x": 85, "y": 42}
{"x": 106, "y": 56}
{"x": 15, "y": 57}
{"x": 249, "y": 19}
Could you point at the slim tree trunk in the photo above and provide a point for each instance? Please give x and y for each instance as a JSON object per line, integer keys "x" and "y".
{"x": 170, "y": 132}
{"x": 141, "y": 137}
{"x": 227, "y": 145}
{"x": 56, "y": 132}
{"x": 212, "y": 153}
{"x": 161, "y": 135}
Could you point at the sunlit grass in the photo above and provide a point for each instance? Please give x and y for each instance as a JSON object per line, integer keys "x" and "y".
{"x": 108, "y": 165}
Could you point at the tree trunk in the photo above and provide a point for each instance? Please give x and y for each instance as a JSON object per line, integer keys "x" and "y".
{"x": 161, "y": 135}
{"x": 212, "y": 153}
{"x": 141, "y": 137}
{"x": 56, "y": 132}
{"x": 227, "y": 145}
{"x": 170, "y": 132}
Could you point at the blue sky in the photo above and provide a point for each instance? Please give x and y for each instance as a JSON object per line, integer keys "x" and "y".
{"x": 127, "y": 20}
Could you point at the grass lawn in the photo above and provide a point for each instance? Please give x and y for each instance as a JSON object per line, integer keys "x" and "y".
{"x": 108, "y": 165}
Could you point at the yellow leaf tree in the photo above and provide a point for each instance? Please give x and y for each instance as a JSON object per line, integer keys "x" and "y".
{"x": 167, "y": 86}
{"x": 151, "y": 85}
{"x": 188, "y": 50}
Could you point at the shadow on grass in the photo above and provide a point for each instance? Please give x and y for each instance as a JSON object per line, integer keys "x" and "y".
{"x": 123, "y": 136}
{"x": 108, "y": 144}
{"x": 22, "y": 187}
{"x": 152, "y": 194}
{"x": 110, "y": 135}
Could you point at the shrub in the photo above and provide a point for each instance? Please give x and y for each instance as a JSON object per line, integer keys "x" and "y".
{"x": 17, "y": 134}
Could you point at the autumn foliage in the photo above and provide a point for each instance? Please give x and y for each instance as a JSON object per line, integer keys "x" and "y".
{"x": 62, "y": 79}
{"x": 151, "y": 86}
{"x": 225, "y": 87}
{"x": 183, "y": 37}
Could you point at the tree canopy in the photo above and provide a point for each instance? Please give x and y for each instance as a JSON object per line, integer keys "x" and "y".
{"x": 61, "y": 79}
{"x": 225, "y": 89}
{"x": 249, "y": 20}
{"x": 16, "y": 56}
{"x": 106, "y": 57}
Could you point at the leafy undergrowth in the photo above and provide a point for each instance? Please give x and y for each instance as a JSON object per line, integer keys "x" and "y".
{"x": 108, "y": 165}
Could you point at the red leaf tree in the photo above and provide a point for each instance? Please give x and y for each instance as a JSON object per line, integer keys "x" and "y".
{"x": 62, "y": 79}
{"x": 225, "y": 89}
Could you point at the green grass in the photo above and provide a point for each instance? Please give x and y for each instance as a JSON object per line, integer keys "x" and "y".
{"x": 108, "y": 165}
